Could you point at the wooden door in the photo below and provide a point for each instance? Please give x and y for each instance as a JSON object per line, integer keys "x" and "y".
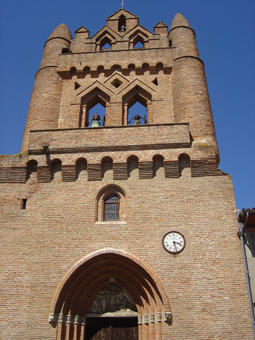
{"x": 111, "y": 329}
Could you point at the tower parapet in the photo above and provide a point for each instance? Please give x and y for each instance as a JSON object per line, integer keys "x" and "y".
{"x": 44, "y": 108}
{"x": 191, "y": 100}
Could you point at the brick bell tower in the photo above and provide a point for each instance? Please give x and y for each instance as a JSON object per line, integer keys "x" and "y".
{"x": 121, "y": 226}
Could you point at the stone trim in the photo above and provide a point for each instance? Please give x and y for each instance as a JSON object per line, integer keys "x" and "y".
{"x": 81, "y": 320}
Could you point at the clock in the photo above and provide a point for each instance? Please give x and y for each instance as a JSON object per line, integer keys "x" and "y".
{"x": 174, "y": 242}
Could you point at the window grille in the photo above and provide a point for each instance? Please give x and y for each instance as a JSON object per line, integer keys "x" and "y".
{"x": 111, "y": 208}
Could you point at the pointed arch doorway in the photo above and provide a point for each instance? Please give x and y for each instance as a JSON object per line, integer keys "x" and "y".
{"x": 112, "y": 315}
{"x": 110, "y": 294}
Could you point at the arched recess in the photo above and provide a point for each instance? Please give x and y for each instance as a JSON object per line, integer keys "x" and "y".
{"x": 107, "y": 190}
{"x": 80, "y": 286}
{"x": 107, "y": 167}
{"x": 158, "y": 166}
{"x": 81, "y": 168}
{"x": 91, "y": 99}
{"x": 131, "y": 69}
{"x": 132, "y": 166}
{"x": 184, "y": 163}
{"x": 136, "y": 93}
{"x": 31, "y": 168}
{"x": 56, "y": 169}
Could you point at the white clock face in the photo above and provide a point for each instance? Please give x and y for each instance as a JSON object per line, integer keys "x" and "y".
{"x": 174, "y": 242}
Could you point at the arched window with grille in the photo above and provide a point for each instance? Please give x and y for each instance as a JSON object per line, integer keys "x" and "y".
{"x": 111, "y": 208}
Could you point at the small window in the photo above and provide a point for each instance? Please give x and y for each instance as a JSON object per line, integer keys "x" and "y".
{"x": 116, "y": 83}
{"x": 111, "y": 208}
{"x": 23, "y": 203}
{"x": 110, "y": 205}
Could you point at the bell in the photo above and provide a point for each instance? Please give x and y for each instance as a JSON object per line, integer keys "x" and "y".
{"x": 95, "y": 123}
{"x": 137, "y": 120}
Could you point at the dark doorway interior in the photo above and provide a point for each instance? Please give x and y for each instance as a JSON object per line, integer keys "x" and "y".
{"x": 117, "y": 328}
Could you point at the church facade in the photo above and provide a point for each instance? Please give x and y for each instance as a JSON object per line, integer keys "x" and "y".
{"x": 116, "y": 226}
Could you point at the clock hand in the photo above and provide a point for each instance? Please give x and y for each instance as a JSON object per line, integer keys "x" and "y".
{"x": 175, "y": 245}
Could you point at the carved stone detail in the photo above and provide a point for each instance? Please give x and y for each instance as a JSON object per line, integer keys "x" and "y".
{"x": 159, "y": 317}
{"x": 83, "y": 320}
{"x": 169, "y": 318}
{"x": 52, "y": 318}
{"x": 152, "y": 318}
{"x": 111, "y": 299}
{"x": 61, "y": 318}
{"x": 76, "y": 319}
{"x": 69, "y": 319}
{"x": 146, "y": 318}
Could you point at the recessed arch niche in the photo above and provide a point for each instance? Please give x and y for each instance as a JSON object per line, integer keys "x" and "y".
{"x": 80, "y": 286}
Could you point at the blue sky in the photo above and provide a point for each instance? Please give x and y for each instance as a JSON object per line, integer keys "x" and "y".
{"x": 225, "y": 31}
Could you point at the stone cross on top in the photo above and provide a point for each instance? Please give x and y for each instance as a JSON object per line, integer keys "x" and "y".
{"x": 122, "y": 4}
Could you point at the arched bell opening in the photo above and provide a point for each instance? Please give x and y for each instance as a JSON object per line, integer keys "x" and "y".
{"x": 137, "y": 105}
{"x": 138, "y": 42}
{"x": 105, "y": 44}
{"x": 94, "y": 108}
{"x": 138, "y": 39}
{"x": 122, "y": 23}
{"x": 110, "y": 283}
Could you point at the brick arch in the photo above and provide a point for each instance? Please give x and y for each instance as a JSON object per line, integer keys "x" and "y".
{"x": 58, "y": 157}
{"x": 102, "y": 194}
{"x": 132, "y": 155}
{"x": 108, "y": 188}
{"x": 73, "y": 71}
{"x": 41, "y": 160}
{"x": 76, "y": 156}
{"x": 89, "y": 275}
{"x": 32, "y": 165}
{"x": 184, "y": 161}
